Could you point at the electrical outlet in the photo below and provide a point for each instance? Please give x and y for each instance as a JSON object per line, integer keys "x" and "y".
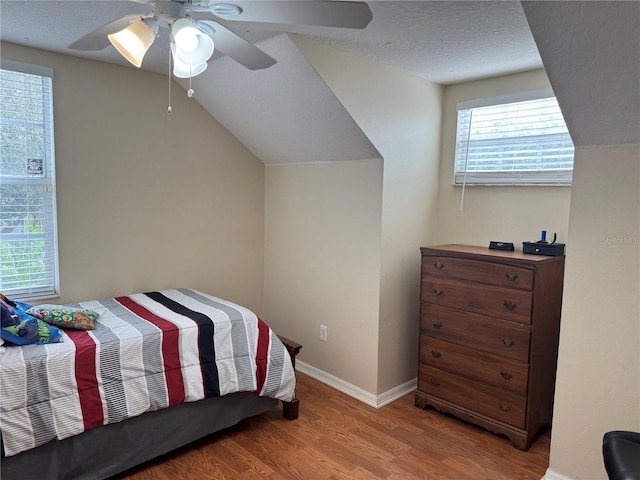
{"x": 323, "y": 333}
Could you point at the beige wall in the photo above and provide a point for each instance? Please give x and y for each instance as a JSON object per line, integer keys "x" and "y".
{"x": 400, "y": 114}
{"x": 511, "y": 214}
{"x": 322, "y": 263}
{"x": 147, "y": 200}
{"x": 598, "y": 383}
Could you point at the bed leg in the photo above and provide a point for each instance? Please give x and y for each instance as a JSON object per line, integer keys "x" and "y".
{"x": 290, "y": 409}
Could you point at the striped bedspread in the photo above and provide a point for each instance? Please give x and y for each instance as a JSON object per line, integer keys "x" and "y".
{"x": 148, "y": 351}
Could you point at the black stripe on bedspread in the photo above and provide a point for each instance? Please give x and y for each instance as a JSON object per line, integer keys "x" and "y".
{"x": 243, "y": 356}
{"x": 205, "y": 341}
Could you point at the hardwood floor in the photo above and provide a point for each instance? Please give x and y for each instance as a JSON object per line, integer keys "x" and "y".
{"x": 338, "y": 437}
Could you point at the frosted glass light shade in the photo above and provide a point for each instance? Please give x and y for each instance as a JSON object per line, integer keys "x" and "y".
{"x": 134, "y": 41}
{"x": 180, "y": 70}
{"x": 192, "y": 46}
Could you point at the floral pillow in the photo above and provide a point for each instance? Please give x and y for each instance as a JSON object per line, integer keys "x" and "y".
{"x": 20, "y": 328}
{"x": 65, "y": 317}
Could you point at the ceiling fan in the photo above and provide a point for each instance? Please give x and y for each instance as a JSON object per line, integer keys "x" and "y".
{"x": 192, "y": 40}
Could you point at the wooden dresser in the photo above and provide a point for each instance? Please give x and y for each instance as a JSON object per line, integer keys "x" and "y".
{"x": 489, "y": 325}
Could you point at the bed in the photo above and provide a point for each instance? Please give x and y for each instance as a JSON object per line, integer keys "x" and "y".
{"x": 159, "y": 370}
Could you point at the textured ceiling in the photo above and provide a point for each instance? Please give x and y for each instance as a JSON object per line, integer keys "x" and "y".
{"x": 444, "y": 42}
{"x": 286, "y": 113}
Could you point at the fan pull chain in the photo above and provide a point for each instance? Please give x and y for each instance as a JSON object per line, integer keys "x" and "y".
{"x": 190, "y": 92}
{"x": 169, "y": 107}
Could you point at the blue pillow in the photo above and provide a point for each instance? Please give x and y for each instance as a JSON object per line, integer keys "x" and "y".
{"x": 20, "y": 328}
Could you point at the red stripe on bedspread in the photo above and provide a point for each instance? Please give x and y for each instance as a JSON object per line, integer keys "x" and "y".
{"x": 170, "y": 349}
{"x": 87, "y": 379}
{"x": 261, "y": 354}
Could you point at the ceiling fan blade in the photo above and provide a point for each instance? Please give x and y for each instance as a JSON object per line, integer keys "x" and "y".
{"x": 329, "y": 14}
{"x": 97, "y": 40}
{"x": 237, "y": 48}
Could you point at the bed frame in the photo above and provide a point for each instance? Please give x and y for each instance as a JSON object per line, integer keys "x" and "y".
{"x": 111, "y": 449}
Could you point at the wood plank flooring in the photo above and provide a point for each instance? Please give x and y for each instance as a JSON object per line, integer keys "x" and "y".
{"x": 338, "y": 437}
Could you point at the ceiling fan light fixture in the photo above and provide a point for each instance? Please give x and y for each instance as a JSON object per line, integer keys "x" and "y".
{"x": 134, "y": 41}
{"x": 185, "y": 34}
{"x": 180, "y": 70}
{"x": 192, "y": 46}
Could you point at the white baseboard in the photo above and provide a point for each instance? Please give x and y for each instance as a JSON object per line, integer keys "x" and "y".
{"x": 551, "y": 475}
{"x": 357, "y": 392}
{"x": 397, "y": 392}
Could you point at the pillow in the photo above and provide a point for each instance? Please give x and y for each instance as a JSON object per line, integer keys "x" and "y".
{"x": 19, "y": 328}
{"x": 65, "y": 317}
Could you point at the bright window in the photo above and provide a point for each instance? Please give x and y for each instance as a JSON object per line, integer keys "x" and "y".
{"x": 28, "y": 250}
{"x": 511, "y": 141}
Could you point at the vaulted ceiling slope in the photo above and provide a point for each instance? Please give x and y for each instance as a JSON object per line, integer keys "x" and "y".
{"x": 286, "y": 114}
{"x": 591, "y": 52}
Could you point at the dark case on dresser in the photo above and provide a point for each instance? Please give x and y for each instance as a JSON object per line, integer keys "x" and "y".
{"x": 489, "y": 326}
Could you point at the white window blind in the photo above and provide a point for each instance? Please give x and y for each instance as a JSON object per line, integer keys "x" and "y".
{"x": 28, "y": 239}
{"x": 523, "y": 142}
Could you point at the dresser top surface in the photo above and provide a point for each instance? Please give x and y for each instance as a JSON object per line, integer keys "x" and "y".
{"x": 480, "y": 253}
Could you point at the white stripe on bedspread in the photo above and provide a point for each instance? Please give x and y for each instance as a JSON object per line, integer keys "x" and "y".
{"x": 66, "y": 411}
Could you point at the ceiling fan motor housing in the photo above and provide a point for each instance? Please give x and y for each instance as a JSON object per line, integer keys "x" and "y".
{"x": 166, "y": 12}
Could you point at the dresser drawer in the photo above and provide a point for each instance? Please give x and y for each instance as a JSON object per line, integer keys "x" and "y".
{"x": 478, "y": 271}
{"x": 490, "y": 334}
{"x": 481, "y": 367}
{"x": 498, "y": 404}
{"x": 507, "y": 303}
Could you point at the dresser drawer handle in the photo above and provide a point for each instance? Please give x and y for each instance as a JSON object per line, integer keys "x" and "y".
{"x": 504, "y": 408}
{"x": 434, "y": 382}
{"x": 438, "y": 265}
{"x": 507, "y": 342}
{"x": 436, "y": 323}
{"x": 511, "y": 276}
{"x": 509, "y": 305}
{"x": 438, "y": 291}
{"x": 436, "y": 354}
{"x": 506, "y": 375}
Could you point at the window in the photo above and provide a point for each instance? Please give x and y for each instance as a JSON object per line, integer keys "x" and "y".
{"x": 28, "y": 250}
{"x": 513, "y": 141}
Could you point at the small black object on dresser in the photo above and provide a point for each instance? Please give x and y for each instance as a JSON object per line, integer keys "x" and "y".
{"x": 506, "y": 246}
{"x": 543, "y": 248}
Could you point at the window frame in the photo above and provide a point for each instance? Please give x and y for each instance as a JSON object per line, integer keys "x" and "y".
{"x": 51, "y": 288}
{"x": 544, "y": 177}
